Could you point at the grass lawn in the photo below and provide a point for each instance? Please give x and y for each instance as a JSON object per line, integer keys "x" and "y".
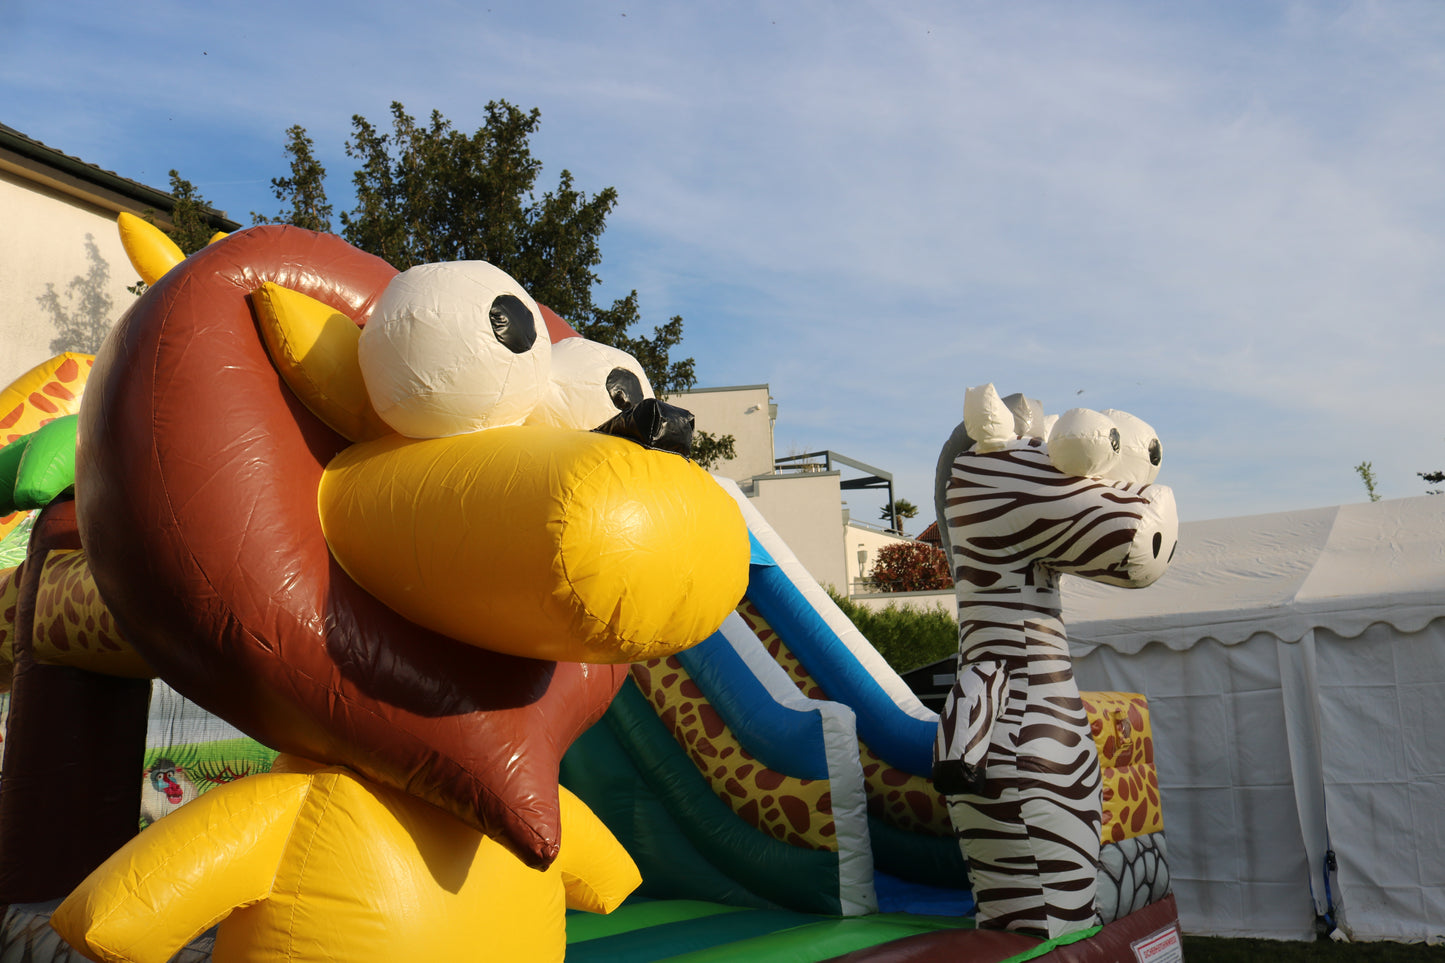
{"x": 1209, "y": 949}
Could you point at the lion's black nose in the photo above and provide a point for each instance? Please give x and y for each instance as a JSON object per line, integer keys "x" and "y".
{"x": 653, "y": 424}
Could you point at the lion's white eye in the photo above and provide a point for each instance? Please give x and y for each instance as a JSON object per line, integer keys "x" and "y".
{"x": 453, "y": 348}
{"x": 1084, "y": 443}
{"x": 1139, "y": 450}
{"x": 591, "y": 383}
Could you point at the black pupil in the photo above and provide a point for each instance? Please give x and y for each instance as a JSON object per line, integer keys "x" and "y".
{"x": 624, "y": 388}
{"x": 1156, "y": 452}
{"x": 512, "y": 323}
{"x": 1114, "y": 438}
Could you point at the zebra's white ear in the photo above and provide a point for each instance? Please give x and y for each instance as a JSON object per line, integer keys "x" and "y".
{"x": 986, "y": 418}
{"x": 1084, "y": 443}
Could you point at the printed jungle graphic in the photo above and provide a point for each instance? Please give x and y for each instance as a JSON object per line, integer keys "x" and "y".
{"x": 174, "y": 775}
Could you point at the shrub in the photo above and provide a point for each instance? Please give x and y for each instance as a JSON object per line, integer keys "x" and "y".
{"x": 911, "y": 567}
{"x": 906, "y": 638}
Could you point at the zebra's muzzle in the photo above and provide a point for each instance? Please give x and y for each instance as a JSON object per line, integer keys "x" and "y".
{"x": 1155, "y": 539}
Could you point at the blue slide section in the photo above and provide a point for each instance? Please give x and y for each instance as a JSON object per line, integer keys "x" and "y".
{"x": 782, "y": 738}
{"x": 900, "y": 739}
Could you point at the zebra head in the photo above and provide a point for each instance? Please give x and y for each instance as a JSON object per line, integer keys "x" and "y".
{"x": 1022, "y": 498}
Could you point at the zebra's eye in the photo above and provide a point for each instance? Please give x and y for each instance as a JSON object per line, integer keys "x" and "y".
{"x": 1084, "y": 443}
{"x": 1140, "y": 453}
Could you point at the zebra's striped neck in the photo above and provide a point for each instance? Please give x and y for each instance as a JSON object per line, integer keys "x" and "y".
{"x": 1011, "y": 622}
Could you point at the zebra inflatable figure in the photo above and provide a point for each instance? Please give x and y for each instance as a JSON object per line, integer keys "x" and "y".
{"x": 1022, "y": 500}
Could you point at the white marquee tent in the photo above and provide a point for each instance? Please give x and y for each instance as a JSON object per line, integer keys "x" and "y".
{"x": 1295, "y": 669}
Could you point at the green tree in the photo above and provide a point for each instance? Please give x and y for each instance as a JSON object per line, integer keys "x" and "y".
{"x": 709, "y": 449}
{"x": 304, "y": 190}
{"x": 432, "y": 193}
{"x": 192, "y": 228}
{"x": 910, "y": 567}
{"x": 898, "y": 511}
{"x": 1433, "y": 478}
{"x": 1366, "y": 471}
{"x": 429, "y": 192}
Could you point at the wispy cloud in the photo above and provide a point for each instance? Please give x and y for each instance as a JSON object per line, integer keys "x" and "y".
{"x": 1225, "y": 217}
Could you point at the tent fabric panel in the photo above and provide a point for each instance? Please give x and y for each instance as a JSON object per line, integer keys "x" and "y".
{"x": 1386, "y": 552}
{"x": 1384, "y": 768}
{"x": 1342, "y": 569}
{"x": 1263, "y": 770}
{"x": 1236, "y": 855}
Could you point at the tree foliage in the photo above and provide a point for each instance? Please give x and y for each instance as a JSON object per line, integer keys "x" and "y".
{"x": 709, "y": 449}
{"x": 192, "y": 229}
{"x": 1366, "y": 471}
{"x": 428, "y": 192}
{"x": 1433, "y": 478}
{"x": 610, "y": 326}
{"x": 906, "y": 638}
{"x": 304, "y": 191}
{"x": 911, "y": 567}
{"x": 902, "y": 508}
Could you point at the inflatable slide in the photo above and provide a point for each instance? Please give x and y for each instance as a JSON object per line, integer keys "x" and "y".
{"x": 773, "y": 786}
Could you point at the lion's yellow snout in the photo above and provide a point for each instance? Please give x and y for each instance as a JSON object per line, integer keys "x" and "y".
{"x": 543, "y": 542}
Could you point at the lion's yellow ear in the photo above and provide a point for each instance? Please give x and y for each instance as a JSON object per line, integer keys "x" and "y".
{"x": 151, "y": 253}
{"x": 314, "y": 347}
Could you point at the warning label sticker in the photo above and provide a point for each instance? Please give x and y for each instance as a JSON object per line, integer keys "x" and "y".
{"x": 1164, "y": 946}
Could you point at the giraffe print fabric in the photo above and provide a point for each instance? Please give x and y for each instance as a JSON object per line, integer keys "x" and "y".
{"x": 46, "y": 392}
{"x": 795, "y": 811}
{"x": 1119, "y": 722}
{"x": 1014, "y": 753}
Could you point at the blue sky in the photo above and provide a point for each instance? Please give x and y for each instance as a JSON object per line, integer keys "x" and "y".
{"x": 1226, "y": 218}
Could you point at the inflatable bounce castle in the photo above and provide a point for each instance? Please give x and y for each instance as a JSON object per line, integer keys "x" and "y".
{"x": 481, "y": 665}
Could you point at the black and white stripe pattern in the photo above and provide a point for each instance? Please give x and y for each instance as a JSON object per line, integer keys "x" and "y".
{"x": 1013, "y": 752}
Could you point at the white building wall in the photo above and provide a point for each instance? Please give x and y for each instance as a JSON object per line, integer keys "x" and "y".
{"x": 806, "y": 509}
{"x": 868, "y": 540}
{"x": 746, "y": 412}
{"x": 52, "y": 243}
{"x": 943, "y": 601}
